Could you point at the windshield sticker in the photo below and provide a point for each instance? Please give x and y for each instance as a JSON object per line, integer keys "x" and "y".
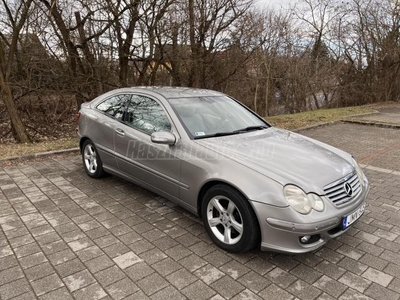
{"x": 199, "y": 133}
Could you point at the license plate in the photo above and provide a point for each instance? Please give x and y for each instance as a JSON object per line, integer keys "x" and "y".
{"x": 354, "y": 216}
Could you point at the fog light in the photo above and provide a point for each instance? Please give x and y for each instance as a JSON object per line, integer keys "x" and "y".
{"x": 309, "y": 239}
{"x": 305, "y": 239}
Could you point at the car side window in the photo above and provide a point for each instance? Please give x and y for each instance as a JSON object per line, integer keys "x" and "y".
{"x": 146, "y": 115}
{"x": 114, "y": 106}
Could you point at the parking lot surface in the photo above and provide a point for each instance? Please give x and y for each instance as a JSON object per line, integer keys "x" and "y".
{"x": 66, "y": 236}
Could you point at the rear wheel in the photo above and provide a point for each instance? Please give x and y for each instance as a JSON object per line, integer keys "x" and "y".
{"x": 229, "y": 219}
{"x": 91, "y": 160}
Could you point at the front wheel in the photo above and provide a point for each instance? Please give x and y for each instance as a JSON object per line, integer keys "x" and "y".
{"x": 91, "y": 160}
{"x": 229, "y": 219}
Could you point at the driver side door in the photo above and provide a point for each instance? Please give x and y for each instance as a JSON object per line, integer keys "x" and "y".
{"x": 153, "y": 165}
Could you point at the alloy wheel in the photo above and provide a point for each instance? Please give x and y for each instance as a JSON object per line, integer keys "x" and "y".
{"x": 90, "y": 158}
{"x": 225, "y": 220}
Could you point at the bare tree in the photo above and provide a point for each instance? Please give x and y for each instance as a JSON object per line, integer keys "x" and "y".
{"x": 76, "y": 37}
{"x": 151, "y": 40}
{"x": 371, "y": 52}
{"x": 15, "y": 20}
{"x": 209, "y": 24}
{"x": 126, "y": 16}
{"x": 277, "y": 32}
{"x": 319, "y": 53}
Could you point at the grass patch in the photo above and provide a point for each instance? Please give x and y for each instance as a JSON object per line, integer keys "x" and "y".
{"x": 11, "y": 150}
{"x": 315, "y": 117}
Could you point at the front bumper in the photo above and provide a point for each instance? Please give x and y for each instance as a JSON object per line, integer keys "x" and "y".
{"x": 280, "y": 234}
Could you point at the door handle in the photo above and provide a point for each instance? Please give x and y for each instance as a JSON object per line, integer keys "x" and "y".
{"x": 120, "y": 132}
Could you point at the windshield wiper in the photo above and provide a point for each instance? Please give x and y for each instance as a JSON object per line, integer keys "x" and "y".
{"x": 251, "y": 128}
{"x": 216, "y": 134}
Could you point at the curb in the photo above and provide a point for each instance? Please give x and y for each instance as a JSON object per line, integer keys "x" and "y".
{"x": 362, "y": 115}
{"x": 315, "y": 126}
{"x": 350, "y": 121}
{"x": 334, "y": 122}
{"x": 382, "y": 170}
{"x": 41, "y": 154}
{"x": 372, "y": 123}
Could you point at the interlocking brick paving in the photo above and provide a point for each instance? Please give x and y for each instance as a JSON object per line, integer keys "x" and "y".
{"x": 66, "y": 236}
{"x": 376, "y": 146}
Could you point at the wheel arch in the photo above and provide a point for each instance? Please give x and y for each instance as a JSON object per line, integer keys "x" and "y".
{"x": 82, "y": 141}
{"x": 209, "y": 184}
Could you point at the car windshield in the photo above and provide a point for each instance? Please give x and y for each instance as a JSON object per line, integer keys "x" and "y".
{"x": 215, "y": 116}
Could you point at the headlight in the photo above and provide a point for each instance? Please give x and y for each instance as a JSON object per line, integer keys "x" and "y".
{"x": 316, "y": 202}
{"x": 359, "y": 172}
{"x": 297, "y": 199}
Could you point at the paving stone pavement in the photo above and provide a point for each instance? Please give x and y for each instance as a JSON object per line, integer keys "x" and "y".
{"x": 66, "y": 236}
{"x": 376, "y": 146}
{"x": 387, "y": 115}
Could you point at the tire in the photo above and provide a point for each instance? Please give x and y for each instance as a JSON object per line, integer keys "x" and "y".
{"x": 91, "y": 160}
{"x": 229, "y": 219}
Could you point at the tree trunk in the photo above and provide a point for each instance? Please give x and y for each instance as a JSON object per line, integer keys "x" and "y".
{"x": 88, "y": 55}
{"x": 266, "y": 114}
{"x": 175, "y": 58}
{"x": 194, "y": 72}
{"x": 255, "y": 97}
{"x": 125, "y": 44}
{"x": 18, "y": 128}
{"x": 268, "y": 70}
{"x": 123, "y": 69}
{"x": 6, "y": 61}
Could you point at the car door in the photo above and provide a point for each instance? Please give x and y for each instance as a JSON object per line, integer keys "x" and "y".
{"x": 153, "y": 165}
{"x": 107, "y": 115}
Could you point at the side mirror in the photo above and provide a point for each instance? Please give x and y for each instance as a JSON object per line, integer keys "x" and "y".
{"x": 163, "y": 137}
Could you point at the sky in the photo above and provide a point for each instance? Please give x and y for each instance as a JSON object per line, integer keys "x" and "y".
{"x": 274, "y": 3}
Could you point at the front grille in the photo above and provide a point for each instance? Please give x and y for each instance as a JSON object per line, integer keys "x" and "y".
{"x": 336, "y": 191}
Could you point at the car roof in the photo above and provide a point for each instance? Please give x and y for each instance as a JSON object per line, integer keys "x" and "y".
{"x": 170, "y": 92}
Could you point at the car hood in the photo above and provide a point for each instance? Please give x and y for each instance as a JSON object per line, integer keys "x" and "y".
{"x": 284, "y": 156}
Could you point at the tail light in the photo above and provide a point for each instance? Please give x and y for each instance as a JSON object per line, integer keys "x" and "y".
{"x": 78, "y": 115}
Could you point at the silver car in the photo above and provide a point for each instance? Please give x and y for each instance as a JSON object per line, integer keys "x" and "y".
{"x": 252, "y": 184}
